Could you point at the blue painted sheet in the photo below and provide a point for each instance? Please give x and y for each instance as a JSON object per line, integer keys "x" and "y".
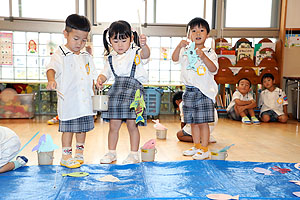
{"x": 153, "y": 180}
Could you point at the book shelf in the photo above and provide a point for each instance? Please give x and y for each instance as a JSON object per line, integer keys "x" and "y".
{"x": 229, "y": 74}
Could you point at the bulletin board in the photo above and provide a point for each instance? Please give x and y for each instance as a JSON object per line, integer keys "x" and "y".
{"x": 6, "y": 54}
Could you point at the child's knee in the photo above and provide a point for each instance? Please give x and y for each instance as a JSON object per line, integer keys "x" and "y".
{"x": 283, "y": 119}
{"x": 265, "y": 118}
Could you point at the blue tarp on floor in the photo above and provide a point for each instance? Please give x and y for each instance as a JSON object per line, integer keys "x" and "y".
{"x": 153, "y": 180}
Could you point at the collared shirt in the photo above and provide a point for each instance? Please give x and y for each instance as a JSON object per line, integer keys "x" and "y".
{"x": 74, "y": 75}
{"x": 240, "y": 96}
{"x": 273, "y": 100}
{"x": 203, "y": 79}
{"x": 122, "y": 65}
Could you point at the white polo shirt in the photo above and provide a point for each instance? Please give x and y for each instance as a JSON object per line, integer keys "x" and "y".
{"x": 238, "y": 95}
{"x": 202, "y": 78}
{"x": 122, "y": 65}
{"x": 74, "y": 77}
{"x": 273, "y": 101}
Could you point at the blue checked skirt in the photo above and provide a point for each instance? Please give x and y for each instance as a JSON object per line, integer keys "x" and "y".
{"x": 197, "y": 108}
{"x": 120, "y": 96}
{"x": 79, "y": 125}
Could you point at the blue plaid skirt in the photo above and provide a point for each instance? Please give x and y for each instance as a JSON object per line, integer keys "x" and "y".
{"x": 121, "y": 95}
{"x": 79, "y": 125}
{"x": 197, "y": 108}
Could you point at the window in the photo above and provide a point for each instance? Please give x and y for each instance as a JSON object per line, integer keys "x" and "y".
{"x": 178, "y": 11}
{"x": 54, "y": 9}
{"x": 4, "y": 8}
{"x": 113, "y": 10}
{"x": 254, "y": 13}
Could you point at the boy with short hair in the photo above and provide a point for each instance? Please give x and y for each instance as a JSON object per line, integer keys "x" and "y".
{"x": 71, "y": 71}
{"x": 9, "y": 147}
{"x": 273, "y": 101}
{"x": 242, "y": 103}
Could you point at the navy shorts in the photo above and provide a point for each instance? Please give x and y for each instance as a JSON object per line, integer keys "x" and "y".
{"x": 197, "y": 108}
{"x": 232, "y": 114}
{"x": 272, "y": 114}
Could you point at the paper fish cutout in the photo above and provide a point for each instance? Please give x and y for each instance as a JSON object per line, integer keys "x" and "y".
{"x": 296, "y": 182}
{"x": 222, "y": 196}
{"x": 139, "y": 105}
{"x": 41, "y": 140}
{"x": 226, "y": 148}
{"x": 297, "y": 166}
{"x": 76, "y": 174}
{"x": 262, "y": 171}
{"x": 296, "y": 194}
{"x": 45, "y": 144}
{"x": 192, "y": 57}
{"x": 158, "y": 125}
{"x": 281, "y": 170}
{"x": 150, "y": 144}
{"x": 109, "y": 178}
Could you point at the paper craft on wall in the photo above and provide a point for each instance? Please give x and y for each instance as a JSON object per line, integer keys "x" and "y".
{"x": 6, "y": 56}
{"x": 164, "y": 53}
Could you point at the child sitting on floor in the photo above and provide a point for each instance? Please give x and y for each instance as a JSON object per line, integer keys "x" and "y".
{"x": 9, "y": 147}
{"x": 273, "y": 101}
{"x": 184, "y": 134}
{"x": 242, "y": 103}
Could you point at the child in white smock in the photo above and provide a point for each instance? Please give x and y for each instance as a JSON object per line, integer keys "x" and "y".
{"x": 273, "y": 101}
{"x": 9, "y": 147}
{"x": 71, "y": 72}
{"x": 124, "y": 51}
{"x": 198, "y": 67}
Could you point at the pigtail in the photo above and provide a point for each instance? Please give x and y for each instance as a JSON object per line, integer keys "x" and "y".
{"x": 136, "y": 38}
{"x": 106, "y": 43}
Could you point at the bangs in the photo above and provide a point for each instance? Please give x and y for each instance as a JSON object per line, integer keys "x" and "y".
{"x": 120, "y": 31}
{"x": 120, "y": 36}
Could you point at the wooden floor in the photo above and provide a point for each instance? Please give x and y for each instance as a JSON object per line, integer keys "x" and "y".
{"x": 268, "y": 142}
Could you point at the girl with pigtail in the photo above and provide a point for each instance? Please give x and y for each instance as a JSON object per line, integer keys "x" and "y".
{"x": 125, "y": 53}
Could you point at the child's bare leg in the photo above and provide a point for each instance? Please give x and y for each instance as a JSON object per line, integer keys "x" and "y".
{"x": 236, "y": 109}
{"x": 66, "y": 140}
{"x": 113, "y": 134}
{"x": 283, "y": 118}
{"x": 195, "y": 133}
{"x": 265, "y": 118}
{"x": 204, "y": 134}
{"x": 7, "y": 167}
{"x": 184, "y": 138}
{"x": 251, "y": 112}
{"x": 80, "y": 140}
{"x": 134, "y": 135}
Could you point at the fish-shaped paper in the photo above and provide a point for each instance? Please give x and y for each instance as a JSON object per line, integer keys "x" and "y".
{"x": 109, "y": 178}
{"x": 159, "y": 126}
{"x": 222, "y": 196}
{"x": 192, "y": 56}
{"x": 76, "y": 174}
{"x": 45, "y": 144}
{"x": 296, "y": 194}
{"x": 297, "y": 166}
{"x": 262, "y": 171}
{"x": 226, "y": 148}
{"x": 281, "y": 170}
{"x": 150, "y": 144}
{"x": 139, "y": 106}
{"x": 296, "y": 182}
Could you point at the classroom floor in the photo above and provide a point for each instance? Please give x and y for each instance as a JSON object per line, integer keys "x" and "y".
{"x": 268, "y": 142}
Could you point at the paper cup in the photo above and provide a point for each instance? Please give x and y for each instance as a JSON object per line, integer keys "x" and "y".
{"x": 45, "y": 158}
{"x": 216, "y": 155}
{"x": 148, "y": 155}
{"x": 161, "y": 134}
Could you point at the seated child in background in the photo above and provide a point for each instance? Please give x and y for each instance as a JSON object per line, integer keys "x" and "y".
{"x": 273, "y": 101}
{"x": 184, "y": 134}
{"x": 9, "y": 146}
{"x": 242, "y": 103}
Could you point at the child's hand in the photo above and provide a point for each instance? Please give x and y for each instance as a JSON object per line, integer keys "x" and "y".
{"x": 89, "y": 49}
{"x": 99, "y": 83}
{"x": 183, "y": 43}
{"x": 200, "y": 53}
{"x": 143, "y": 40}
{"x": 51, "y": 85}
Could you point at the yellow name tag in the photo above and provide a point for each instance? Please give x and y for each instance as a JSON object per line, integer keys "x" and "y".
{"x": 214, "y": 154}
{"x": 144, "y": 150}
